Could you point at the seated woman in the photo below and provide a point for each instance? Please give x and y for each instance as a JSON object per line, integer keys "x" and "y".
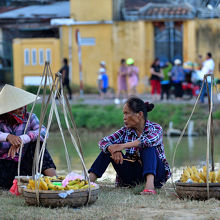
{"x": 13, "y": 119}
{"x": 138, "y": 137}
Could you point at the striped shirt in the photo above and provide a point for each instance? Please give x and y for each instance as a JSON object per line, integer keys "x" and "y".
{"x": 18, "y": 130}
{"x": 152, "y": 136}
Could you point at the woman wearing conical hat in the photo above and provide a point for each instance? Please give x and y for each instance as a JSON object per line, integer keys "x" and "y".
{"x": 13, "y": 119}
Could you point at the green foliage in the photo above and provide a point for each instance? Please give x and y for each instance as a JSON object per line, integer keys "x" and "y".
{"x": 95, "y": 117}
{"x": 34, "y": 89}
{"x": 87, "y": 89}
{"x": 216, "y": 115}
{"x": 75, "y": 89}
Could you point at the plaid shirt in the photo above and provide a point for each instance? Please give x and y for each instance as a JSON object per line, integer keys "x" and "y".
{"x": 18, "y": 130}
{"x": 152, "y": 136}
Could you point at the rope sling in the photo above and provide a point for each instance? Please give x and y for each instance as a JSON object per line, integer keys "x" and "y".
{"x": 210, "y": 134}
{"x": 55, "y": 84}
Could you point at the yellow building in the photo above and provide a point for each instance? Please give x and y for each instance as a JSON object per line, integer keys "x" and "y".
{"x": 29, "y": 56}
{"x": 105, "y": 39}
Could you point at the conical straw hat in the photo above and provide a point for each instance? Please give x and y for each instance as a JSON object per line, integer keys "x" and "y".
{"x": 12, "y": 98}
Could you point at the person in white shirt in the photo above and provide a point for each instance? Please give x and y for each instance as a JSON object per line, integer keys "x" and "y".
{"x": 207, "y": 67}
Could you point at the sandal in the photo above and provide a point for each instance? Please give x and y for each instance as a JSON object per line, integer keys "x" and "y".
{"x": 148, "y": 192}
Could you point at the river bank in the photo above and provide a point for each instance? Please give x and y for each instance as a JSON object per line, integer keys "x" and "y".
{"x": 108, "y": 117}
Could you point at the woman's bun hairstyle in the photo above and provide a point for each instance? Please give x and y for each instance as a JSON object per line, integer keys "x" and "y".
{"x": 149, "y": 106}
{"x": 136, "y": 105}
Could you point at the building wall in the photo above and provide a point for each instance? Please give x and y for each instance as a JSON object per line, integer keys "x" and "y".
{"x": 91, "y": 10}
{"x": 189, "y": 40}
{"x": 134, "y": 39}
{"x": 208, "y": 40}
{"x": 112, "y": 43}
{"x": 91, "y": 54}
{"x": 24, "y": 69}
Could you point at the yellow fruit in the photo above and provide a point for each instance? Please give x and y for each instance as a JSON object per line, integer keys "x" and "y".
{"x": 74, "y": 187}
{"x": 43, "y": 185}
{"x": 58, "y": 188}
{"x": 218, "y": 177}
{"x": 204, "y": 169}
{"x": 61, "y": 177}
{"x": 73, "y": 182}
{"x": 195, "y": 171}
{"x": 51, "y": 186}
{"x": 201, "y": 181}
{"x": 195, "y": 178}
{"x": 202, "y": 176}
{"x": 186, "y": 173}
{"x": 32, "y": 184}
{"x": 82, "y": 183}
{"x": 212, "y": 177}
{"x": 85, "y": 187}
{"x": 52, "y": 178}
{"x": 189, "y": 170}
{"x": 47, "y": 180}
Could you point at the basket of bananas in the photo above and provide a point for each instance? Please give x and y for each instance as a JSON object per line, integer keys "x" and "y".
{"x": 193, "y": 184}
{"x": 53, "y": 194}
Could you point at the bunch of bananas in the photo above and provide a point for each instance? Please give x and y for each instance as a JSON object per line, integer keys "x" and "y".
{"x": 199, "y": 176}
{"x": 78, "y": 184}
{"x": 46, "y": 184}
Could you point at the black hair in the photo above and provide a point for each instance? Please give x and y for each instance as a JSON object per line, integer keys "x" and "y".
{"x": 123, "y": 61}
{"x": 155, "y": 60}
{"x": 137, "y": 105}
{"x": 65, "y": 61}
{"x": 209, "y": 55}
{"x": 8, "y": 119}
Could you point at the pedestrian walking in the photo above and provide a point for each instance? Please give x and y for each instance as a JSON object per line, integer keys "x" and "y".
{"x": 165, "y": 83}
{"x": 122, "y": 82}
{"x": 177, "y": 76}
{"x": 156, "y": 76}
{"x": 65, "y": 77}
{"x": 133, "y": 76}
{"x": 208, "y": 67}
{"x": 103, "y": 83}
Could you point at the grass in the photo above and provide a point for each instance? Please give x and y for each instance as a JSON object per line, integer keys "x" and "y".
{"x": 116, "y": 203}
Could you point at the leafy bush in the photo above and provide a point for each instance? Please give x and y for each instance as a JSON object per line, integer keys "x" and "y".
{"x": 34, "y": 89}
{"x": 106, "y": 117}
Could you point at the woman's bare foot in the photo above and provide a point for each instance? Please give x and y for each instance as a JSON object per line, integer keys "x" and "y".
{"x": 149, "y": 186}
{"x": 92, "y": 177}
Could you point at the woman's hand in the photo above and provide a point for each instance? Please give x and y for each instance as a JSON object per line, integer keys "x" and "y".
{"x": 117, "y": 157}
{"x": 115, "y": 148}
{"x": 13, "y": 150}
{"x": 14, "y": 140}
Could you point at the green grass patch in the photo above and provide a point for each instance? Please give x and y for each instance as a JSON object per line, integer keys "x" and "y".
{"x": 94, "y": 117}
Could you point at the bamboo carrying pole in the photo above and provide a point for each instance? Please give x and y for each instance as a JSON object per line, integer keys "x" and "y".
{"x": 210, "y": 131}
{"x": 39, "y": 151}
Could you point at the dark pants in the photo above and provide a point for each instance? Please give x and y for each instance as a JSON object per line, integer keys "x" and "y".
{"x": 9, "y": 168}
{"x": 67, "y": 85}
{"x": 133, "y": 173}
{"x": 165, "y": 89}
{"x": 204, "y": 92}
{"x": 178, "y": 90}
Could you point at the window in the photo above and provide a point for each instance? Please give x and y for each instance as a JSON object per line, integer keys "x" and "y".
{"x": 48, "y": 55}
{"x": 34, "y": 56}
{"x": 88, "y": 41}
{"x": 41, "y": 56}
{"x": 26, "y": 56}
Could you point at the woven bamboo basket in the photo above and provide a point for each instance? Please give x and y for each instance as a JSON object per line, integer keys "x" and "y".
{"x": 50, "y": 198}
{"x": 197, "y": 191}
{"x": 22, "y": 183}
